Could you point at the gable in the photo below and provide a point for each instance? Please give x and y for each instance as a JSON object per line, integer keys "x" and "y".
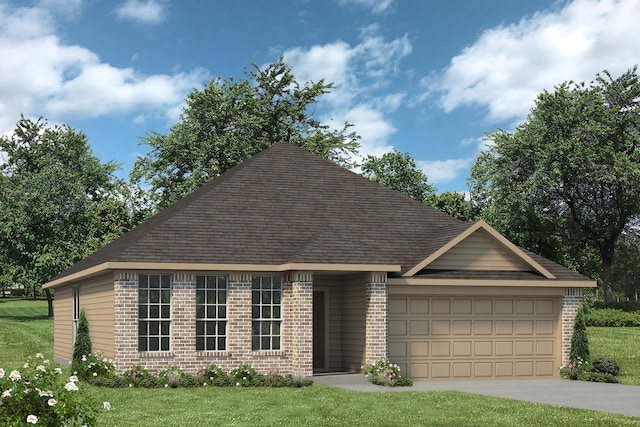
{"x": 479, "y": 251}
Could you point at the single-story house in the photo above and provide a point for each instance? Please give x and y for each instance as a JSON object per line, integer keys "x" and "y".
{"x": 290, "y": 262}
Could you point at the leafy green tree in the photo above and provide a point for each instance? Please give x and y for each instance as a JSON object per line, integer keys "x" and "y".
{"x": 579, "y": 342}
{"x": 227, "y": 122}
{"x": 399, "y": 172}
{"x": 626, "y": 265}
{"x": 567, "y": 181}
{"x": 456, "y": 205}
{"x": 82, "y": 345}
{"x": 58, "y": 203}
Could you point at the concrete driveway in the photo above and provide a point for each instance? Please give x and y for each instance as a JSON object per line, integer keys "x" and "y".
{"x": 615, "y": 398}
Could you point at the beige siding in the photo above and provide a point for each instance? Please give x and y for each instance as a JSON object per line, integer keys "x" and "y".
{"x": 97, "y": 298}
{"x": 479, "y": 251}
{"x": 63, "y": 324}
{"x": 354, "y": 322}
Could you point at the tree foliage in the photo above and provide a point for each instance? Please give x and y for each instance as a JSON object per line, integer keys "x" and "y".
{"x": 58, "y": 203}
{"x": 626, "y": 265}
{"x": 229, "y": 121}
{"x": 399, "y": 172}
{"x": 579, "y": 341}
{"x": 82, "y": 345}
{"x": 566, "y": 183}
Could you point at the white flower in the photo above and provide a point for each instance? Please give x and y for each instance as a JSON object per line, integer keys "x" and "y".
{"x": 130, "y": 385}
{"x": 41, "y": 368}
{"x": 166, "y": 385}
{"x": 237, "y": 383}
{"x": 106, "y": 405}
{"x": 58, "y": 371}
{"x": 6, "y": 393}
{"x": 73, "y": 378}
{"x": 45, "y": 393}
{"x": 46, "y": 362}
{"x": 32, "y": 419}
{"x": 71, "y": 386}
{"x": 51, "y": 402}
{"x": 84, "y": 358}
{"x": 95, "y": 374}
{"x": 1, "y": 373}
{"x": 39, "y": 356}
{"x": 25, "y": 366}
{"x": 15, "y": 375}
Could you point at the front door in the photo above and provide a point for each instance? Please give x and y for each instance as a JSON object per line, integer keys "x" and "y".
{"x": 318, "y": 331}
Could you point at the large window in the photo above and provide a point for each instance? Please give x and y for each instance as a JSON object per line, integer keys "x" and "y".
{"x": 211, "y": 313}
{"x": 154, "y": 312}
{"x": 266, "y": 312}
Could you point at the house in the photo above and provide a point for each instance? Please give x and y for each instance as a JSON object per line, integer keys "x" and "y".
{"x": 288, "y": 261}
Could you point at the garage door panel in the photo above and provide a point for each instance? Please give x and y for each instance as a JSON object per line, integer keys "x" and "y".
{"x": 467, "y": 337}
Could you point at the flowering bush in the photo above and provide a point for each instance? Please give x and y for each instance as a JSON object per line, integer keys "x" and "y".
{"x": 95, "y": 365}
{"x": 383, "y": 372}
{"x": 39, "y": 394}
{"x": 213, "y": 375}
{"x": 244, "y": 375}
{"x": 137, "y": 376}
{"x": 573, "y": 370}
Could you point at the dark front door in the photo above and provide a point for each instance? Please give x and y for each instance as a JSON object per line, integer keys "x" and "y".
{"x": 318, "y": 331}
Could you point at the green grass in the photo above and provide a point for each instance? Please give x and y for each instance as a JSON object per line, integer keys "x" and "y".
{"x": 621, "y": 344}
{"x": 24, "y": 331}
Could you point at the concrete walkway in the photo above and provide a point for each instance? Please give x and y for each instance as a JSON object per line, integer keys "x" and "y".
{"x": 614, "y": 398}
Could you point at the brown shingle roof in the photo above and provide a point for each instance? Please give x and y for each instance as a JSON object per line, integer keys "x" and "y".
{"x": 286, "y": 205}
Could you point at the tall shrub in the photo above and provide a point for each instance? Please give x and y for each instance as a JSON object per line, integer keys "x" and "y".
{"x": 82, "y": 346}
{"x": 579, "y": 341}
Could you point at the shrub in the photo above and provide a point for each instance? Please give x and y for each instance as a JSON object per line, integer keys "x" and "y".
{"x": 187, "y": 380}
{"x": 82, "y": 346}
{"x": 628, "y": 306}
{"x": 95, "y": 365}
{"x": 579, "y": 341}
{"x": 140, "y": 377}
{"x": 41, "y": 395}
{"x": 171, "y": 376}
{"x": 598, "y": 377}
{"x": 213, "y": 375}
{"x": 110, "y": 382}
{"x": 244, "y": 375}
{"x": 574, "y": 369}
{"x": 383, "y": 372}
{"x": 611, "y": 317}
{"x": 605, "y": 365}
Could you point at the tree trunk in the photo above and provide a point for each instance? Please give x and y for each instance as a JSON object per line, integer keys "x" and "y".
{"x": 607, "y": 278}
{"x": 49, "y": 302}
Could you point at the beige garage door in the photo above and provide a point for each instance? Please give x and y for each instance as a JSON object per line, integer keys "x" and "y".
{"x": 474, "y": 337}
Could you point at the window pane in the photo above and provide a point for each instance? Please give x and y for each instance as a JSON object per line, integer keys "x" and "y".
{"x": 276, "y": 312}
{"x": 211, "y": 311}
{"x": 255, "y": 297}
{"x": 154, "y": 328}
{"x": 199, "y": 297}
{"x": 154, "y": 344}
{"x": 277, "y": 297}
{"x": 211, "y": 282}
{"x": 200, "y": 282}
{"x": 255, "y": 312}
{"x": 211, "y": 297}
{"x": 222, "y": 328}
{"x": 143, "y": 311}
{"x": 154, "y": 297}
{"x": 276, "y": 343}
{"x": 222, "y": 343}
{"x": 266, "y": 297}
{"x": 222, "y": 312}
{"x": 222, "y": 297}
{"x": 142, "y": 328}
{"x": 266, "y": 312}
{"x": 222, "y": 282}
{"x": 265, "y": 328}
{"x": 142, "y": 344}
{"x": 264, "y": 342}
{"x": 200, "y": 327}
{"x": 143, "y": 296}
{"x": 165, "y": 296}
{"x": 276, "y": 281}
{"x": 255, "y": 328}
{"x": 165, "y": 328}
{"x": 154, "y": 312}
{"x": 166, "y": 281}
{"x": 255, "y": 282}
{"x": 154, "y": 281}
{"x": 211, "y": 328}
{"x": 165, "y": 344}
{"x": 255, "y": 343}
{"x": 199, "y": 343}
{"x": 165, "y": 311}
{"x": 275, "y": 328}
{"x": 200, "y": 311}
{"x": 211, "y": 343}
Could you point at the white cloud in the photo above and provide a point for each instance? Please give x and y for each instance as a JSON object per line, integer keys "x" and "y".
{"x": 142, "y": 11}
{"x": 41, "y": 75}
{"x": 375, "y": 6}
{"x": 444, "y": 171}
{"x": 508, "y": 66}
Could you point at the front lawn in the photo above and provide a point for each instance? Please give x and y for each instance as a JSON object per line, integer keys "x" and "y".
{"x": 24, "y": 331}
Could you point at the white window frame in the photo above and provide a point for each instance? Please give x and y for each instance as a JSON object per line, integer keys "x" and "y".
{"x": 266, "y": 313}
{"x": 154, "y": 312}
{"x": 211, "y": 312}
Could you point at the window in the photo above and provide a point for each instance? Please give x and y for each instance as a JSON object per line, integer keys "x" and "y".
{"x": 266, "y": 307}
{"x": 211, "y": 313}
{"x": 75, "y": 294}
{"x": 154, "y": 312}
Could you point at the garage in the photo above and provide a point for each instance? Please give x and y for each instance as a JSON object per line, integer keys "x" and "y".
{"x": 461, "y": 337}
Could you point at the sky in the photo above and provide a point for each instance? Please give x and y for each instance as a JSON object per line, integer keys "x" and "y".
{"x": 428, "y": 77}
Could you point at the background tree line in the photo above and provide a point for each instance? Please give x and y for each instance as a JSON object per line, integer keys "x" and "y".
{"x": 565, "y": 183}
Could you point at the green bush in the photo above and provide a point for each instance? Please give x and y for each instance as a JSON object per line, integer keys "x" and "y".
{"x": 244, "y": 375}
{"x": 611, "y": 317}
{"x": 598, "y": 377}
{"x": 628, "y": 306}
{"x": 579, "y": 341}
{"x": 213, "y": 375}
{"x": 575, "y": 369}
{"x": 605, "y": 365}
{"x": 110, "y": 382}
{"x": 82, "y": 346}
{"x": 383, "y": 372}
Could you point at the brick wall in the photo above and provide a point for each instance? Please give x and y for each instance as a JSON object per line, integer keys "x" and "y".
{"x": 376, "y": 318}
{"x": 570, "y": 302}
{"x": 298, "y": 321}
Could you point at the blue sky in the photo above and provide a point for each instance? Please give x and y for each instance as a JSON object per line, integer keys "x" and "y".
{"x": 426, "y": 77}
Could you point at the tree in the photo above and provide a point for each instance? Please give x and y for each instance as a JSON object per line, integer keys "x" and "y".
{"x": 82, "y": 345}
{"x": 227, "y": 122}
{"x": 626, "y": 265}
{"x": 579, "y": 341}
{"x": 456, "y": 205}
{"x": 399, "y": 172}
{"x": 567, "y": 181}
{"x": 58, "y": 203}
